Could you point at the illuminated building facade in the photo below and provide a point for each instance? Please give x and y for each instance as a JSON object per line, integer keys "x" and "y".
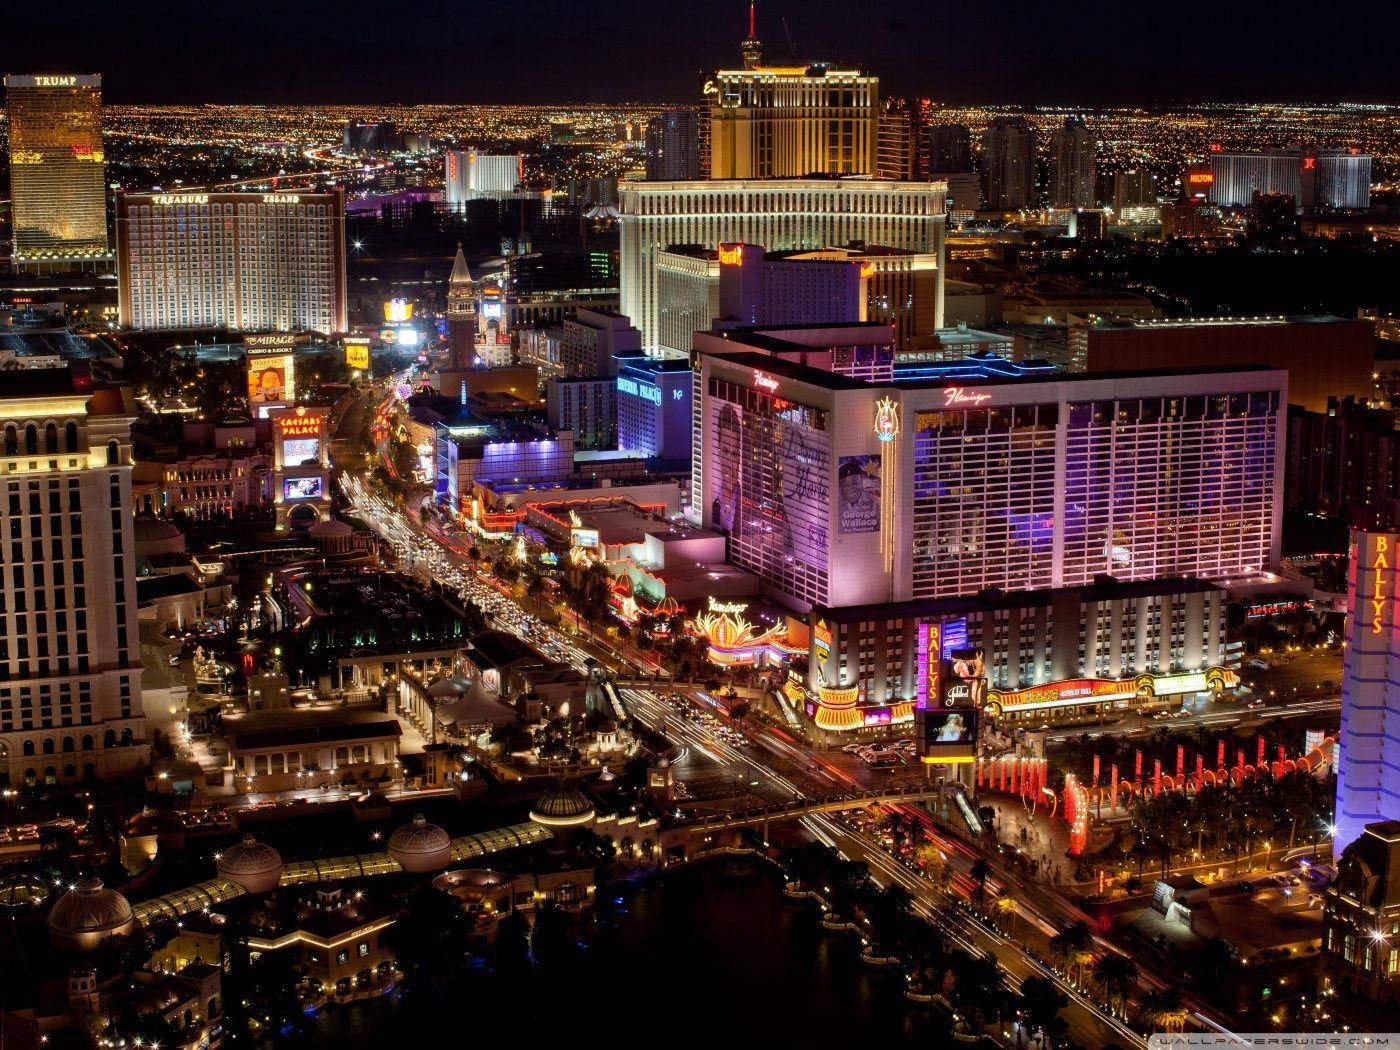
{"x": 58, "y": 192}
{"x": 593, "y": 340}
{"x": 1325, "y": 356}
{"x": 1087, "y": 653}
{"x": 1343, "y": 180}
{"x": 902, "y": 147}
{"x": 775, "y": 122}
{"x": 1368, "y": 763}
{"x": 472, "y": 176}
{"x": 1361, "y": 917}
{"x": 1008, "y": 164}
{"x": 1015, "y": 483}
{"x": 673, "y": 145}
{"x": 585, "y": 405}
{"x": 461, "y": 314}
{"x": 1237, "y": 177}
{"x": 782, "y": 215}
{"x": 70, "y": 662}
{"x": 269, "y": 262}
{"x": 653, "y": 406}
{"x": 1072, "y": 165}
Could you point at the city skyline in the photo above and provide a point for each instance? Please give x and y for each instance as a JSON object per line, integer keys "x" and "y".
{"x": 1097, "y": 54}
{"x": 934, "y": 565}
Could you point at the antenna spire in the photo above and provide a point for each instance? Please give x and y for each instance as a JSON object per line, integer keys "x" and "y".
{"x": 751, "y": 23}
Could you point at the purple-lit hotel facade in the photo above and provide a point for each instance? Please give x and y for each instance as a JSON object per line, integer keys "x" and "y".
{"x": 840, "y": 493}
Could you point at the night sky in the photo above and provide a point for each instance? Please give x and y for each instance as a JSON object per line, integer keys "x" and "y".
{"x": 1087, "y": 52}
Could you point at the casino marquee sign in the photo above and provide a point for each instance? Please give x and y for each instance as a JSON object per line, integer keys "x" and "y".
{"x": 1088, "y": 690}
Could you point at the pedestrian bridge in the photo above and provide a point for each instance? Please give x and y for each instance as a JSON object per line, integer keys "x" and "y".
{"x": 801, "y": 807}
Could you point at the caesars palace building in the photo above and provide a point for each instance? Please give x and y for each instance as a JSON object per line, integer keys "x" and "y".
{"x": 1079, "y": 528}
{"x": 779, "y": 214}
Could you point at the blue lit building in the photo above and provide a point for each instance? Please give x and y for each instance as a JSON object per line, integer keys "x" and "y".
{"x": 653, "y": 406}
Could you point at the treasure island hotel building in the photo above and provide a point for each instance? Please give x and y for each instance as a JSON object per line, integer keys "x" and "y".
{"x": 255, "y": 262}
{"x": 57, "y": 188}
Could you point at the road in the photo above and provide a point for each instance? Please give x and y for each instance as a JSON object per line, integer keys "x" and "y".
{"x": 1088, "y": 1024}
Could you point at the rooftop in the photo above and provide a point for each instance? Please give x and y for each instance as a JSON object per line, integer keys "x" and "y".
{"x": 834, "y": 381}
{"x": 1104, "y": 588}
{"x": 286, "y": 727}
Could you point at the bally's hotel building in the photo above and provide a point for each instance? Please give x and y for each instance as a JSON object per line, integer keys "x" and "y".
{"x": 1080, "y": 528}
{"x": 255, "y": 262}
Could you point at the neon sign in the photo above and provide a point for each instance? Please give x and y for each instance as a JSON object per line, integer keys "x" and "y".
{"x": 731, "y": 608}
{"x": 1378, "y": 599}
{"x": 300, "y": 426}
{"x": 55, "y": 81}
{"x": 642, "y": 390}
{"x": 730, "y": 255}
{"x": 765, "y": 382}
{"x": 281, "y": 198}
{"x": 867, "y": 271}
{"x": 956, "y": 395}
{"x": 886, "y": 419}
{"x": 166, "y": 199}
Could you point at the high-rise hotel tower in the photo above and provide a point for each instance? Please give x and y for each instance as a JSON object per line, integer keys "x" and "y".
{"x": 780, "y": 214}
{"x": 56, "y": 169}
{"x": 1368, "y": 757}
{"x": 254, "y": 262}
{"x": 784, "y": 121}
{"x": 70, "y": 659}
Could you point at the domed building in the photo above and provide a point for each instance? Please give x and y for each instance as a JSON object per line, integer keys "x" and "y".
{"x": 332, "y": 537}
{"x": 419, "y": 846}
{"x": 254, "y": 865}
{"x": 87, "y": 915}
{"x": 154, "y": 535}
{"x": 562, "y": 807}
{"x": 22, "y": 889}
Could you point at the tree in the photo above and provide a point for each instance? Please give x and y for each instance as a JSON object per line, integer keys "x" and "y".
{"x": 978, "y": 991}
{"x": 1163, "y": 1011}
{"x": 1040, "y": 1005}
{"x": 430, "y": 937}
{"x": 1003, "y": 906}
{"x": 1213, "y": 963}
{"x": 1116, "y": 976}
{"x": 979, "y": 872}
{"x": 552, "y": 940}
{"x": 1074, "y": 948}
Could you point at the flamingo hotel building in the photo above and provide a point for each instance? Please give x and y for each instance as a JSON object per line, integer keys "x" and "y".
{"x": 1081, "y": 529}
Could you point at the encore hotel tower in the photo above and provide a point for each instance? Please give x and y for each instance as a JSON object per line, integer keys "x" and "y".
{"x": 56, "y": 169}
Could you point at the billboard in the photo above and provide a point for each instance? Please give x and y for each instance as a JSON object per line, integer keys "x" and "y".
{"x": 301, "y": 488}
{"x": 858, "y": 509}
{"x": 946, "y": 735}
{"x": 299, "y": 451}
{"x": 269, "y": 379}
{"x": 770, "y": 486}
{"x": 951, "y": 726}
{"x": 357, "y": 354}
{"x": 398, "y": 311}
{"x": 962, "y": 680}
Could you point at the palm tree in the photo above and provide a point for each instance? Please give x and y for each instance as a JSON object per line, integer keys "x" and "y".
{"x": 1116, "y": 976}
{"x": 1003, "y": 906}
{"x": 1041, "y": 1003}
{"x": 979, "y": 872}
{"x": 1163, "y": 1011}
{"x": 1074, "y": 947}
